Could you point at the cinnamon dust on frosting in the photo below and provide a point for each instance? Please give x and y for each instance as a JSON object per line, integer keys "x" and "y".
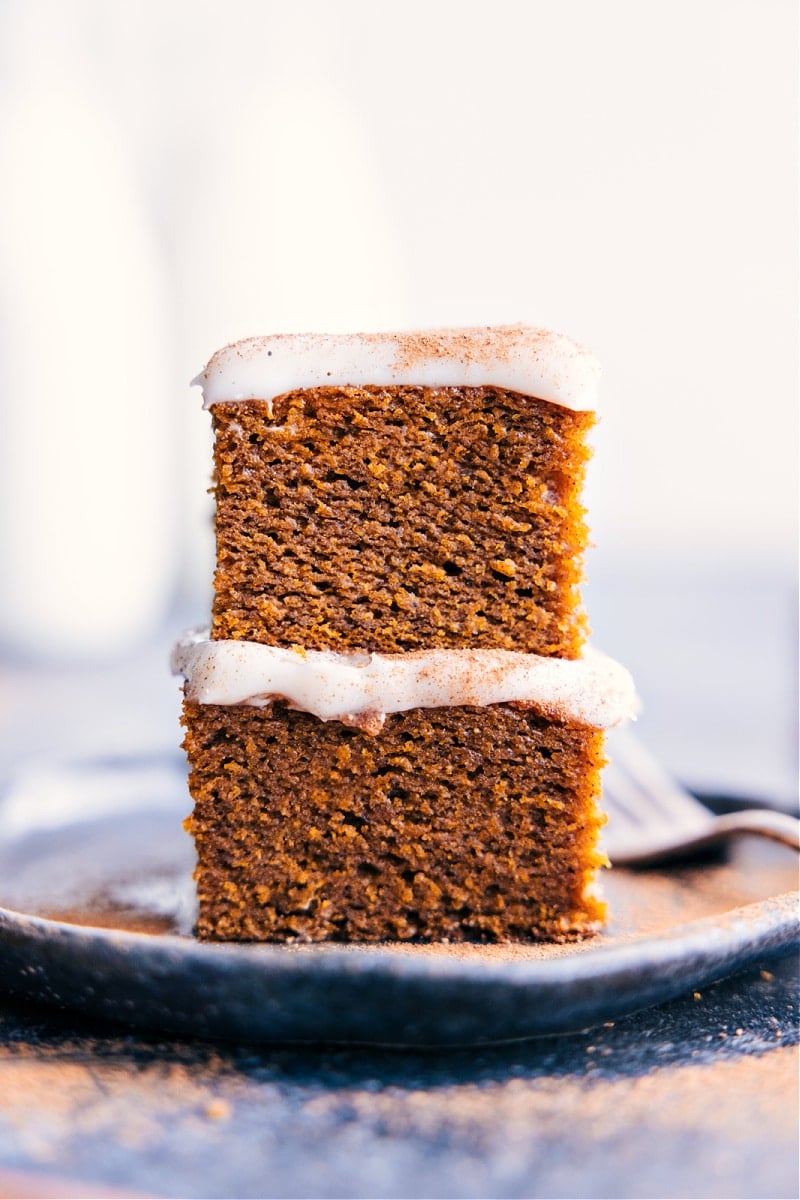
{"x": 534, "y": 362}
{"x": 362, "y": 689}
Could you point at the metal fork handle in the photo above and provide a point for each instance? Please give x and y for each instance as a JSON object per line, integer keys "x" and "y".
{"x": 781, "y": 827}
{"x": 778, "y": 826}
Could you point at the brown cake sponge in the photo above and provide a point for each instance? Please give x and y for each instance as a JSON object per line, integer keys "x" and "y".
{"x": 401, "y": 518}
{"x": 452, "y": 824}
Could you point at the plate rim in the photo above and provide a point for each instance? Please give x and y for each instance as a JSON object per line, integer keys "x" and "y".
{"x": 558, "y": 994}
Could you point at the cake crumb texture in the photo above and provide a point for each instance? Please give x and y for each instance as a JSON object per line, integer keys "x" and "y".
{"x": 404, "y": 518}
{"x": 468, "y": 824}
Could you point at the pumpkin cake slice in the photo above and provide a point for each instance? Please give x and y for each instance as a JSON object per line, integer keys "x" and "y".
{"x": 394, "y": 729}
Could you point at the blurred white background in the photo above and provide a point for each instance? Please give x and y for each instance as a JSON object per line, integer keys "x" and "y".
{"x": 177, "y": 174}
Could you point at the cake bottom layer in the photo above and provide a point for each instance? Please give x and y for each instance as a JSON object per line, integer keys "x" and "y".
{"x": 451, "y": 824}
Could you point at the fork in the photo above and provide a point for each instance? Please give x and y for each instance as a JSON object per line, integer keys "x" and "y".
{"x": 651, "y": 818}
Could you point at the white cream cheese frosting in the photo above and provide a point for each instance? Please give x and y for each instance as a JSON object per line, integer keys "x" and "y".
{"x": 362, "y": 689}
{"x": 520, "y": 358}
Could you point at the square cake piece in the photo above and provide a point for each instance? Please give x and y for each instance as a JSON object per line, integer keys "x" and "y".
{"x": 394, "y": 729}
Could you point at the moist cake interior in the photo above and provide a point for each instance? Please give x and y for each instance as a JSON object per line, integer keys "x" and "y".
{"x": 475, "y": 824}
{"x": 400, "y": 519}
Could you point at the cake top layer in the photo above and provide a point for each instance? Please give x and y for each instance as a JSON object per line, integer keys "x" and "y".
{"x": 519, "y": 358}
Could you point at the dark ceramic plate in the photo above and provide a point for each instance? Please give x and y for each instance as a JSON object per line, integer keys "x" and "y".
{"x": 95, "y": 884}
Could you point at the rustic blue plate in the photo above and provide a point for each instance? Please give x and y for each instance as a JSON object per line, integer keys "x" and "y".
{"x": 98, "y": 909}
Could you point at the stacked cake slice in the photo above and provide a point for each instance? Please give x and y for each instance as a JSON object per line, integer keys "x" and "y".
{"x": 393, "y": 728}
